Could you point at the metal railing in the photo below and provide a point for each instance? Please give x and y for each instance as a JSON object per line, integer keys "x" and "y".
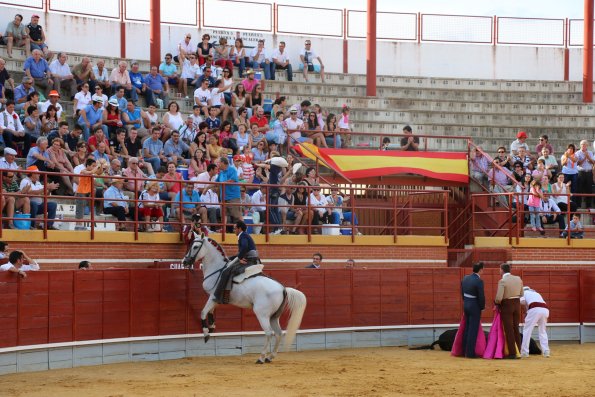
{"x": 363, "y": 203}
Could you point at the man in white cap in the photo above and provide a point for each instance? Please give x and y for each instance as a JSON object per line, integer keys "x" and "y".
{"x": 537, "y": 314}
{"x": 8, "y": 161}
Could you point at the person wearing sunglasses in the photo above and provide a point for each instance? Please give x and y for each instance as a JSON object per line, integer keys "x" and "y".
{"x": 307, "y": 57}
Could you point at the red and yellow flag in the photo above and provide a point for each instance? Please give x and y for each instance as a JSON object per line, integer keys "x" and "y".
{"x": 354, "y": 164}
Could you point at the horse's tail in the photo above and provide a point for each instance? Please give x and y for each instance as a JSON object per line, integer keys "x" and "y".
{"x": 296, "y": 304}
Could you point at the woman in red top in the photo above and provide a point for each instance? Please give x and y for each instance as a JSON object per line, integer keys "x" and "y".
{"x": 111, "y": 117}
{"x": 175, "y": 186}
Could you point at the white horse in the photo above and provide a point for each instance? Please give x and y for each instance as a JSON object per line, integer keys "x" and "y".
{"x": 266, "y": 297}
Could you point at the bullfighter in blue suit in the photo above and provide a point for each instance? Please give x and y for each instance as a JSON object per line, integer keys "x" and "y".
{"x": 473, "y": 304}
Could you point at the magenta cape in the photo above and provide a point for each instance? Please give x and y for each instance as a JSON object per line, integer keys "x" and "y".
{"x": 457, "y": 347}
{"x": 496, "y": 340}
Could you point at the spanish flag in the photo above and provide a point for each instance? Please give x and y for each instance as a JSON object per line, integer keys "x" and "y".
{"x": 354, "y": 164}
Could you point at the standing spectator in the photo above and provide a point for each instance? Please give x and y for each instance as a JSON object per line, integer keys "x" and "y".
{"x": 38, "y": 69}
{"x": 260, "y": 59}
{"x": 537, "y": 314}
{"x": 473, "y": 304}
{"x": 84, "y": 185}
{"x": 510, "y": 290}
{"x": 238, "y": 55}
{"x": 37, "y": 37}
{"x": 91, "y": 118}
{"x": 570, "y": 167}
{"x": 22, "y": 92}
{"x": 6, "y": 81}
{"x": 308, "y": 56}
{"x": 169, "y": 70}
{"x": 231, "y": 191}
{"x": 190, "y": 73}
{"x": 316, "y": 261}
{"x": 33, "y": 188}
{"x": 83, "y": 73}
{"x": 409, "y": 143}
{"x": 121, "y": 78}
{"x": 519, "y": 142}
{"x": 535, "y": 203}
{"x": 102, "y": 75}
{"x": 585, "y": 160}
{"x": 115, "y": 203}
{"x": 12, "y": 129}
{"x": 575, "y": 227}
{"x": 157, "y": 85}
{"x": 544, "y": 143}
{"x": 62, "y": 76}
{"x": 15, "y": 264}
{"x": 281, "y": 61}
{"x": 16, "y": 35}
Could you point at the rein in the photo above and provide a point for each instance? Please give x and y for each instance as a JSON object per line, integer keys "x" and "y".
{"x": 220, "y": 250}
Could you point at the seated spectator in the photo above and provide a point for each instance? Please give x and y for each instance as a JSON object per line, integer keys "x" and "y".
{"x": 213, "y": 121}
{"x": 12, "y": 130}
{"x": 185, "y": 49}
{"x": 250, "y": 82}
{"x": 551, "y": 213}
{"x": 102, "y": 76}
{"x": 49, "y": 120}
{"x": 575, "y": 227}
{"x": 255, "y": 99}
{"x": 117, "y": 147}
{"x": 239, "y": 100}
{"x": 83, "y": 74}
{"x": 8, "y": 161}
{"x": 172, "y": 175}
{"x": 260, "y": 119}
{"x": 551, "y": 164}
{"x": 81, "y": 99}
{"x": 173, "y": 120}
{"x": 158, "y": 86}
{"x": 115, "y": 168}
{"x": 541, "y": 171}
{"x": 133, "y": 143}
{"x": 190, "y": 204}
{"x": 198, "y": 163}
{"x": 208, "y": 72}
{"x": 22, "y": 92}
{"x": 188, "y": 131}
{"x": 60, "y": 160}
{"x": 153, "y": 149}
{"x": 499, "y": 179}
{"x": 16, "y": 35}
{"x": 121, "y": 78}
{"x": 334, "y": 202}
{"x": 238, "y": 55}
{"x": 81, "y": 154}
{"x": 101, "y": 153}
{"x": 34, "y": 190}
{"x": 32, "y": 124}
{"x": 169, "y": 70}
{"x": 100, "y": 96}
{"x": 333, "y": 138}
{"x": 259, "y": 201}
{"x": 135, "y": 177}
{"x": 221, "y": 54}
{"x": 190, "y": 73}
{"x": 504, "y": 159}
{"x": 150, "y": 207}
{"x": 280, "y": 60}
{"x": 523, "y": 158}
{"x": 11, "y": 203}
{"x": 219, "y": 103}
{"x": 62, "y": 76}
{"x": 480, "y": 167}
{"x": 260, "y": 59}
{"x": 518, "y": 143}
{"x": 204, "y": 49}
{"x": 313, "y": 130}
{"x": 518, "y": 172}
{"x": 37, "y": 37}
{"x": 119, "y": 98}
{"x": 210, "y": 175}
{"x": 561, "y": 194}
{"x": 295, "y": 127}
{"x": 544, "y": 143}
{"x": 115, "y": 203}
{"x": 96, "y": 139}
{"x": 134, "y": 116}
{"x": 303, "y": 214}
{"x": 242, "y": 138}
{"x": 32, "y": 100}
{"x": 139, "y": 87}
{"x": 175, "y": 150}
{"x": 53, "y": 98}
{"x": 215, "y": 151}
{"x": 203, "y": 97}
{"x": 307, "y": 56}
{"x": 210, "y": 201}
{"x": 38, "y": 69}
{"x": 91, "y": 118}
{"x": 319, "y": 204}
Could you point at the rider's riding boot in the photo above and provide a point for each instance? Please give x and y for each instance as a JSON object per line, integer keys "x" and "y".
{"x": 225, "y": 299}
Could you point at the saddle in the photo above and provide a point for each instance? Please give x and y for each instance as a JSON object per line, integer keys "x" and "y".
{"x": 249, "y": 271}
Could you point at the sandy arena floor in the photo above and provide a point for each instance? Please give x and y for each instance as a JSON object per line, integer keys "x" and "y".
{"x": 357, "y": 372}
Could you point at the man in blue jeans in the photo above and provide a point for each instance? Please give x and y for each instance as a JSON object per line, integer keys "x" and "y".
{"x": 31, "y": 187}
{"x": 281, "y": 61}
{"x": 91, "y": 117}
{"x": 231, "y": 190}
{"x": 153, "y": 149}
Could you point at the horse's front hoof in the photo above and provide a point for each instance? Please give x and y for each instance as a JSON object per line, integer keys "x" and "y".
{"x": 207, "y": 337}
{"x": 268, "y": 360}
{"x": 259, "y": 361}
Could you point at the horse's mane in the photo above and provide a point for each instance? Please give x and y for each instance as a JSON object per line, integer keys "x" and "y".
{"x": 217, "y": 246}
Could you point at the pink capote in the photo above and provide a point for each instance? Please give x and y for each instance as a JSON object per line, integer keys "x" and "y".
{"x": 496, "y": 339}
{"x": 457, "y": 347}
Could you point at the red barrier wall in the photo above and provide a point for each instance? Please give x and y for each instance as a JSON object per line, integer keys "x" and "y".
{"x": 62, "y": 306}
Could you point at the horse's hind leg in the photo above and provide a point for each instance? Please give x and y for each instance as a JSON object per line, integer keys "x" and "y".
{"x": 278, "y": 332}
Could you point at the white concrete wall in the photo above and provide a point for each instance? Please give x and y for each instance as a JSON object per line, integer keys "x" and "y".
{"x": 102, "y": 37}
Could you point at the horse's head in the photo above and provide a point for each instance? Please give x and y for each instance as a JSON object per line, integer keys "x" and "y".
{"x": 195, "y": 252}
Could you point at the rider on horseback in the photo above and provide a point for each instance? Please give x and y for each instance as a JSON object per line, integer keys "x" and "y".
{"x": 247, "y": 256}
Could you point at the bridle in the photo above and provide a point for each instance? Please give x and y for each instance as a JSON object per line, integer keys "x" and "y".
{"x": 214, "y": 243}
